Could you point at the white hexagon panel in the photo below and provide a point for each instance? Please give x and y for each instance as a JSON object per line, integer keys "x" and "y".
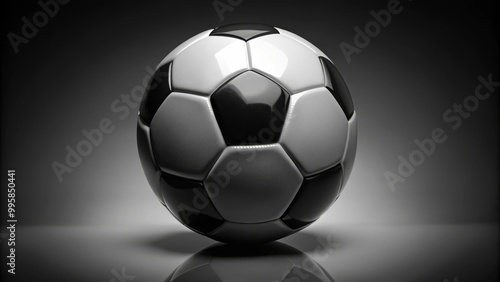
{"x": 315, "y": 131}
{"x": 275, "y": 56}
{"x": 208, "y": 63}
{"x": 171, "y": 56}
{"x": 302, "y": 41}
{"x": 185, "y": 136}
{"x": 253, "y": 184}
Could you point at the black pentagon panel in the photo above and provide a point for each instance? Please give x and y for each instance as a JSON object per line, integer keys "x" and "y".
{"x": 189, "y": 202}
{"x": 295, "y": 224}
{"x": 156, "y": 92}
{"x": 250, "y": 109}
{"x": 276, "y": 251}
{"x": 252, "y": 233}
{"x": 244, "y": 31}
{"x": 151, "y": 169}
{"x": 315, "y": 196}
{"x": 303, "y": 275}
{"x": 337, "y": 86}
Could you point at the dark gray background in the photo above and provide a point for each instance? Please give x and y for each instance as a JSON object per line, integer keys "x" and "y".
{"x": 428, "y": 58}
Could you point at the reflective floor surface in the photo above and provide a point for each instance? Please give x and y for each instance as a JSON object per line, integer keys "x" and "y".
{"x": 339, "y": 253}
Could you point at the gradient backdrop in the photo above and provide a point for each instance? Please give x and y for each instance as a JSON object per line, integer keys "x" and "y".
{"x": 428, "y": 58}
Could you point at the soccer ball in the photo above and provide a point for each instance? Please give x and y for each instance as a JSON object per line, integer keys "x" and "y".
{"x": 270, "y": 262}
{"x": 247, "y": 133}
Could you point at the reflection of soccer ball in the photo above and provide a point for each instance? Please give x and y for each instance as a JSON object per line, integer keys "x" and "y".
{"x": 269, "y": 262}
{"x": 247, "y": 133}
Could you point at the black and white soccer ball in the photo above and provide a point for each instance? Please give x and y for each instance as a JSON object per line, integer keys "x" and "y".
{"x": 247, "y": 133}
